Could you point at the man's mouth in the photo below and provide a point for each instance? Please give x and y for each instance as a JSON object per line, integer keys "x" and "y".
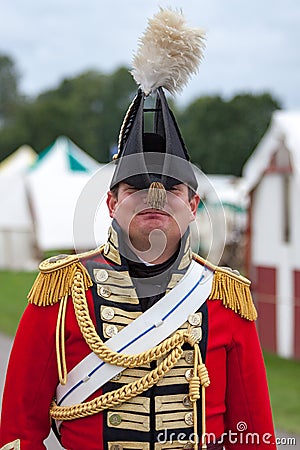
{"x": 152, "y": 211}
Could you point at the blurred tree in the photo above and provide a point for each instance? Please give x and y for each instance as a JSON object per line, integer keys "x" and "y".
{"x": 9, "y": 93}
{"x": 221, "y": 135}
{"x": 88, "y": 109}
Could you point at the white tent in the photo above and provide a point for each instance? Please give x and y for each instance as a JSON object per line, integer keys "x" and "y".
{"x": 55, "y": 183}
{"x": 16, "y": 233}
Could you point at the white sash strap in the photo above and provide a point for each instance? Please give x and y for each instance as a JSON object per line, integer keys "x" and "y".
{"x": 148, "y": 330}
{"x": 15, "y": 445}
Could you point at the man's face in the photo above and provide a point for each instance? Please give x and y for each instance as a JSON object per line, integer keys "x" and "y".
{"x": 143, "y": 224}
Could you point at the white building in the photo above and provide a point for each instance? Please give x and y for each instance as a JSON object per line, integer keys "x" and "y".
{"x": 272, "y": 175}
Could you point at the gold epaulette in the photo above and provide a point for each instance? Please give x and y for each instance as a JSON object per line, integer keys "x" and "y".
{"x": 56, "y": 278}
{"x": 232, "y": 289}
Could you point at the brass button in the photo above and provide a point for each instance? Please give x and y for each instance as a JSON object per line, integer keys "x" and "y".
{"x": 105, "y": 291}
{"x": 116, "y": 447}
{"x": 189, "y": 419}
{"x": 106, "y": 248}
{"x": 101, "y": 275}
{"x": 107, "y": 313}
{"x": 189, "y": 374}
{"x": 189, "y": 357}
{"x": 196, "y": 333}
{"x": 117, "y": 377}
{"x": 115, "y": 420}
{"x": 187, "y": 401}
{"x": 56, "y": 258}
{"x": 111, "y": 330}
{"x": 194, "y": 319}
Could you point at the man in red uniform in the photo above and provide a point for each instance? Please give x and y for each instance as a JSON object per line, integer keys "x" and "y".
{"x": 139, "y": 344}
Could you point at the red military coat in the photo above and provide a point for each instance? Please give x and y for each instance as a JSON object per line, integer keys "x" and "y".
{"x": 237, "y": 401}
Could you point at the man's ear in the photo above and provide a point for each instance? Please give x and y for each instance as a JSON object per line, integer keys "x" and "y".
{"x": 111, "y": 202}
{"x": 194, "y": 202}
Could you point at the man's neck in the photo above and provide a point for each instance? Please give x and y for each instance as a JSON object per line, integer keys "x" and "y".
{"x": 149, "y": 260}
{"x": 158, "y": 253}
{"x": 154, "y": 251}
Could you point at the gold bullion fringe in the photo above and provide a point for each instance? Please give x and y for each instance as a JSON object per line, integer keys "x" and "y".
{"x": 50, "y": 287}
{"x": 171, "y": 348}
{"x": 234, "y": 293}
{"x": 157, "y": 195}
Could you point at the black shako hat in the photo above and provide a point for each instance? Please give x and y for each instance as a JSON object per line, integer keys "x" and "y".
{"x": 157, "y": 156}
{"x": 169, "y": 52}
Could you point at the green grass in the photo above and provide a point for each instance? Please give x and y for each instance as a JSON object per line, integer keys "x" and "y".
{"x": 283, "y": 375}
{"x": 284, "y": 384}
{"x": 14, "y": 287}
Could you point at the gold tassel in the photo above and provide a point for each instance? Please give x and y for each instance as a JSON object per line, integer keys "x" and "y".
{"x": 51, "y": 286}
{"x": 157, "y": 195}
{"x": 234, "y": 291}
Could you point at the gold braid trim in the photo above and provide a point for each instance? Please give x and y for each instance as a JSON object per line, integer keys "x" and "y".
{"x": 60, "y": 341}
{"x": 232, "y": 289}
{"x": 118, "y": 396}
{"x": 199, "y": 379}
{"x": 97, "y": 346}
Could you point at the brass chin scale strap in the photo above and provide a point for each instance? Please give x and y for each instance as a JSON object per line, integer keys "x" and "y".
{"x": 170, "y": 348}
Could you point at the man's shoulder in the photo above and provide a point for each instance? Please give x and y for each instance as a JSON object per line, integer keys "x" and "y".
{"x": 231, "y": 288}
{"x": 57, "y": 275}
{"x": 61, "y": 261}
{"x": 224, "y": 270}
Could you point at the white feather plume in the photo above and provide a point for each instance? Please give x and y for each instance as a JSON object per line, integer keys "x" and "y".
{"x": 169, "y": 52}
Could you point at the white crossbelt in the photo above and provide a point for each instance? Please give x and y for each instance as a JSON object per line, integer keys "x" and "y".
{"x": 148, "y": 330}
